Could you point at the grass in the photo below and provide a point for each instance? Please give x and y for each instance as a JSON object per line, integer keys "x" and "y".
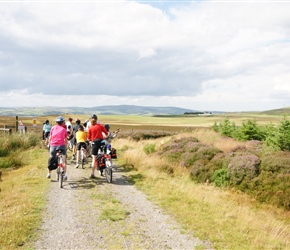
{"x": 110, "y": 209}
{"x": 22, "y": 199}
{"x": 228, "y": 219}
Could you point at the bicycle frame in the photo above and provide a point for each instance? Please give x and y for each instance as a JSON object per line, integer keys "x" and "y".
{"x": 105, "y": 154}
{"x": 60, "y": 170}
{"x": 70, "y": 145}
{"x": 82, "y": 156}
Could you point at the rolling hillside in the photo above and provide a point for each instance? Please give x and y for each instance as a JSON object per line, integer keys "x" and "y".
{"x": 109, "y": 110}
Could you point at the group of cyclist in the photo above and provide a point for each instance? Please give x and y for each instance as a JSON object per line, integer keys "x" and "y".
{"x": 91, "y": 131}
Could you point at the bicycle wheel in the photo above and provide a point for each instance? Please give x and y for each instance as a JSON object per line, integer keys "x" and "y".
{"x": 60, "y": 181}
{"x": 83, "y": 162}
{"x": 70, "y": 145}
{"x": 109, "y": 174}
{"x": 82, "y": 158}
{"x": 57, "y": 174}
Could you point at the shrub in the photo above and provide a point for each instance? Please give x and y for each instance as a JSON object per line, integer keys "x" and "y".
{"x": 207, "y": 152}
{"x": 146, "y": 136}
{"x": 199, "y": 171}
{"x": 284, "y": 135}
{"x": 227, "y": 128}
{"x": 249, "y": 131}
{"x": 174, "y": 149}
{"x": 243, "y": 166}
{"x": 220, "y": 177}
{"x": 201, "y": 152}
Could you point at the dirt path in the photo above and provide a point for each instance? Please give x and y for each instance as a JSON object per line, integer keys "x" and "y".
{"x": 74, "y": 217}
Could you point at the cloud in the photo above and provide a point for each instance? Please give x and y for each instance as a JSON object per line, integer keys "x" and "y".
{"x": 200, "y": 55}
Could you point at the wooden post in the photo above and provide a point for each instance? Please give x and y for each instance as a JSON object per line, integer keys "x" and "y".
{"x": 16, "y": 123}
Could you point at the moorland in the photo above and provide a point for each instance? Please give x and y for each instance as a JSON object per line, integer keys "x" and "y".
{"x": 222, "y": 176}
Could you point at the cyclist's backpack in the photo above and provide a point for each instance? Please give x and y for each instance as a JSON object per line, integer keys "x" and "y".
{"x": 102, "y": 162}
{"x": 52, "y": 162}
{"x": 113, "y": 153}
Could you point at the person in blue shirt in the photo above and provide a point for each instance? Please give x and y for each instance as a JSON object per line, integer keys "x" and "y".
{"x": 46, "y": 129}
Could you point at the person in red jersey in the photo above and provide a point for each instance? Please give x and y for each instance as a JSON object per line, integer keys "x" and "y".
{"x": 95, "y": 135}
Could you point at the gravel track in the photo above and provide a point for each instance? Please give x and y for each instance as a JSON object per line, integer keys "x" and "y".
{"x": 73, "y": 217}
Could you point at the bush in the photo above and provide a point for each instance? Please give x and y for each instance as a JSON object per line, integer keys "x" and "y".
{"x": 174, "y": 149}
{"x": 284, "y": 135}
{"x": 199, "y": 171}
{"x": 221, "y": 177}
{"x": 249, "y": 131}
{"x": 146, "y": 136}
{"x": 226, "y": 128}
{"x": 243, "y": 166}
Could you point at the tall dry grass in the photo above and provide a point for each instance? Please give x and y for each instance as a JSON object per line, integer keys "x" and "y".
{"x": 227, "y": 218}
{"x": 212, "y": 138}
{"x": 22, "y": 197}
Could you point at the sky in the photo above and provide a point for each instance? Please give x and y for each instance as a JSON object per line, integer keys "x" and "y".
{"x": 198, "y": 55}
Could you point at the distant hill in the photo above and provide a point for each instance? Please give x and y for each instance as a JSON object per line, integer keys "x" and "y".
{"x": 282, "y": 111}
{"x": 109, "y": 110}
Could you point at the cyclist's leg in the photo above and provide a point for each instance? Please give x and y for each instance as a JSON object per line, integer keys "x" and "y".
{"x": 52, "y": 152}
{"x": 86, "y": 149}
{"x": 63, "y": 151}
{"x": 78, "y": 154}
{"x": 95, "y": 149}
{"x": 74, "y": 146}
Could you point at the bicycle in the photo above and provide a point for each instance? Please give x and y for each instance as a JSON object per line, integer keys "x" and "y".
{"x": 70, "y": 144}
{"x": 104, "y": 161}
{"x": 83, "y": 156}
{"x": 60, "y": 171}
{"x": 89, "y": 149}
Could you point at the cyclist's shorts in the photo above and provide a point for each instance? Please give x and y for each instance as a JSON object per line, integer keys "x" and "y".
{"x": 47, "y": 134}
{"x": 81, "y": 144}
{"x": 96, "y": 146}
{"x": 74, "y": 140}
{"x": 54, "y": 149}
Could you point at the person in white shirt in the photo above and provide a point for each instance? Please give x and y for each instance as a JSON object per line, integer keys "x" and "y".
{"x": 69, "y": 125}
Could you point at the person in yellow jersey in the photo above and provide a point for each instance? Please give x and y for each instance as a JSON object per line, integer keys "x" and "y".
{"x": 81, "y": 138}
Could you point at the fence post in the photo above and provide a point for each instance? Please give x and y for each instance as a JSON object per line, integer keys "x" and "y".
{"x": 16, "y": 124}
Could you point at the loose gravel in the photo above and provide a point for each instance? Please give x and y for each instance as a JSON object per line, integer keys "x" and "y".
{"x": 74, "y": 217}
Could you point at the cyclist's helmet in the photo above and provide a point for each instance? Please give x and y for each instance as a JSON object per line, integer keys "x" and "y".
{"x": 107, "y": 126}
{"x": 77, "y": 120}
{"x": 93, "y": 116}
{"x": 59, "y": 119}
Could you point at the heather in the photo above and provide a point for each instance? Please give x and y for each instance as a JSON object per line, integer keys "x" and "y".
{"x": 265, "y": 175}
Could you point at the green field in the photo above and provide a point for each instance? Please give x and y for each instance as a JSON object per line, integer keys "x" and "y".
{"x": 172, "y": 123}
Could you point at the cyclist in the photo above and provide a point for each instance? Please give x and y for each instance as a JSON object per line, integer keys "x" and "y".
{"x": 46, "y": 128}
{"x": 58, "y": 141}
{"x": 43, "y": 132}
{"x": 69, "y": 125}
{"x": 86, "y": 126}
{"x": 75, "y": 129}
{"x": 81, "y": 138}
{"x": 108, "y": 139}
{"x": 96, "y": 137}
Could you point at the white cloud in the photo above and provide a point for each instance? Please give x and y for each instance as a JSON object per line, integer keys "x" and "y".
{"x": 199, "y": 55}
